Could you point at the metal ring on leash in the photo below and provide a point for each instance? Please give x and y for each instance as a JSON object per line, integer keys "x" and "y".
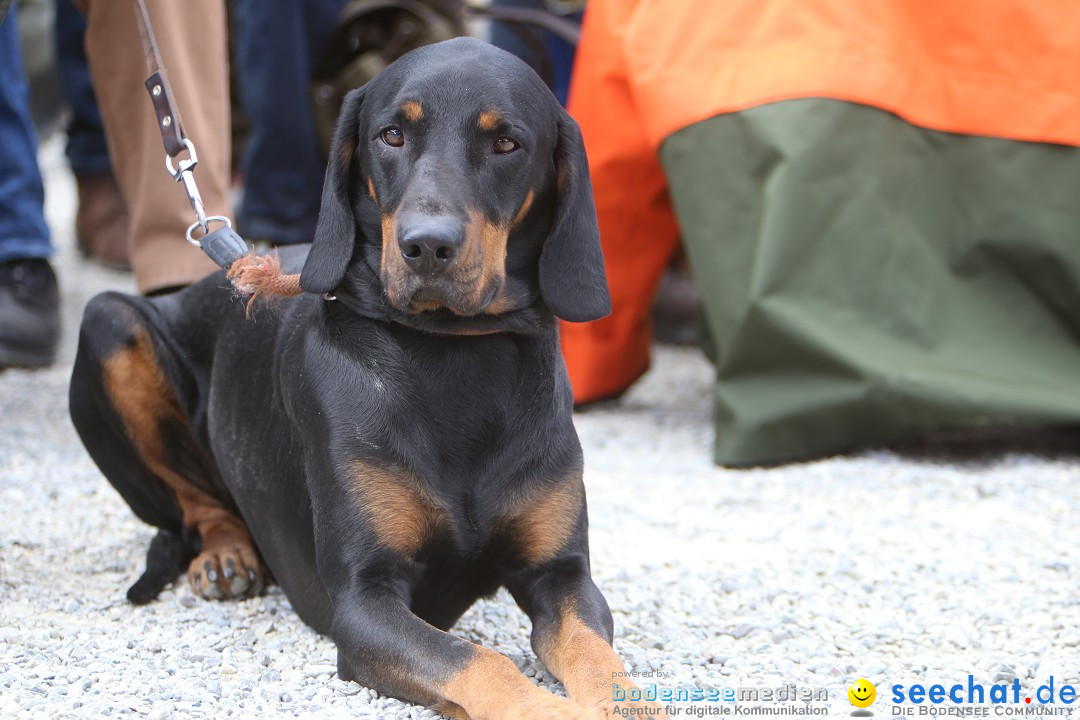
{"x": 185, "y": 165}
{"x": 190, "y": 234}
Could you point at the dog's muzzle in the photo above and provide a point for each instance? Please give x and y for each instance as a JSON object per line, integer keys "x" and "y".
{"x": 429, "y": 245}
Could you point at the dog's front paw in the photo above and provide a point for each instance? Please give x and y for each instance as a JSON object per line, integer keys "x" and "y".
{"x": 232, "y": 571}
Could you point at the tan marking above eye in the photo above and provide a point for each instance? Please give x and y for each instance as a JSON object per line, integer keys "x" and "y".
{"x": 488, "y": 120}
{"x": 412, "y": 110}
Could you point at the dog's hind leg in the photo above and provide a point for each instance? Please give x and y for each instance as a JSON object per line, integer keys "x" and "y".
{"x": 125, "y": 405}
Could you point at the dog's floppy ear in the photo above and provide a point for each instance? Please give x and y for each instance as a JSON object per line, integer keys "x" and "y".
{"x": 572, "y": 280}
{"x": 335, "y": 235}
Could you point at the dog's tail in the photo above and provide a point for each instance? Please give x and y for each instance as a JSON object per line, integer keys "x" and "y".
{"x": 167, "y": 555}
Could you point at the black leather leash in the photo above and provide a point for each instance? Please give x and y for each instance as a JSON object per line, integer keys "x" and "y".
{"x": 222, "y": 245}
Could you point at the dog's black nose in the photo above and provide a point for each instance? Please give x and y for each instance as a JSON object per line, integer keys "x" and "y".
{"x": 430, "y": 245}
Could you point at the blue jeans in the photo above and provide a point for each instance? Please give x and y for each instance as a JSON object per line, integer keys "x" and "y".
{"x": 86, "y": 149}
{"x": 277, "y": 46}
{"x": 23, "y": 232}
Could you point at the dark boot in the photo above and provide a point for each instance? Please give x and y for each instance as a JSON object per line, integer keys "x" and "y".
{"x": 29, "y": 313}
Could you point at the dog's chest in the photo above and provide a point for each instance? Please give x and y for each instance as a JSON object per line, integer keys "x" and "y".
{"x": 459, "y": 409}
{"x": 449, "y": 439}
{"x": 470, "y": 551}
{"x": 449, "y": 514}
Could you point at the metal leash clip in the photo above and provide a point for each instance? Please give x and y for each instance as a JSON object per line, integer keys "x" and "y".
{"x": 223, "y": 245}
{"x": 182, "y": 173}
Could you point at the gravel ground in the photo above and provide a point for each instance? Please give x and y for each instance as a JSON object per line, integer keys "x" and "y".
{"x": 898, "y": 567}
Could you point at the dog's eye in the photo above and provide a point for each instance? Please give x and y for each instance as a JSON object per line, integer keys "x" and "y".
{"x": 505, "y": 145}
{"x": 393, "y": 136}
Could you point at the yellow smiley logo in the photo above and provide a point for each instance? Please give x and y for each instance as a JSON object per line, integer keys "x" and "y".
{"x": 862, "y": 693}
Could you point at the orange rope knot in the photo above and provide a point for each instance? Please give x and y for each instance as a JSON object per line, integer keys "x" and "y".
{"x": 255, "y": 276}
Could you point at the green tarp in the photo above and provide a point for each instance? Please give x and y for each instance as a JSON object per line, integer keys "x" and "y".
{"x": 867, "y": 281}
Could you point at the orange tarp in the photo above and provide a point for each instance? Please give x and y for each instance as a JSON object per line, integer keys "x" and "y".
{"x": 648, "y": 68}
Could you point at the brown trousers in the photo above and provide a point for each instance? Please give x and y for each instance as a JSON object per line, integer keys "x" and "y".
{"x": 192, "y": 38}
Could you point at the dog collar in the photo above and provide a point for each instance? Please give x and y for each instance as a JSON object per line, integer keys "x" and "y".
{"x": 532, "y": 320}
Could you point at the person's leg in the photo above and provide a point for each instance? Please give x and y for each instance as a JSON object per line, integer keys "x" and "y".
{"x": 283, "y": 166}
{"x": 525, "y": 41}
{"x": 101, "y": 222}
{"x": 29, "y": 323}
{"x": 192, "y": 39}
{"x": 23, "y": 232}
{"x": 320, "y": 19}
{"x": 87, "y": 150}
{"x": 543, "y": 51}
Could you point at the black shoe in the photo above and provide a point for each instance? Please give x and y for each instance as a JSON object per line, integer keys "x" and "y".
{"x": 29, "y": 313}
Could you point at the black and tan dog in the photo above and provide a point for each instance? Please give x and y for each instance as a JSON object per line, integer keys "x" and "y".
{"x": 403, "y": 445}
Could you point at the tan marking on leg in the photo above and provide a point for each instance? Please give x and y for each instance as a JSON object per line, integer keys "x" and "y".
{"x": 401, "y": 511}
{"x": 488, "y": 120}
{"x": 581, "y": 659}
{"x": 585, "y": 663}
{"x": 491, "y": 686}
{"x": 137, "y": 387}
{"x": 541, "y": 525}
{"x": 412, "y": 110}
{"x": 143, "y": 398}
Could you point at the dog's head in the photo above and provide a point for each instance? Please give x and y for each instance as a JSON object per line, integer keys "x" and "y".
{"x": 458, "y": 187}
